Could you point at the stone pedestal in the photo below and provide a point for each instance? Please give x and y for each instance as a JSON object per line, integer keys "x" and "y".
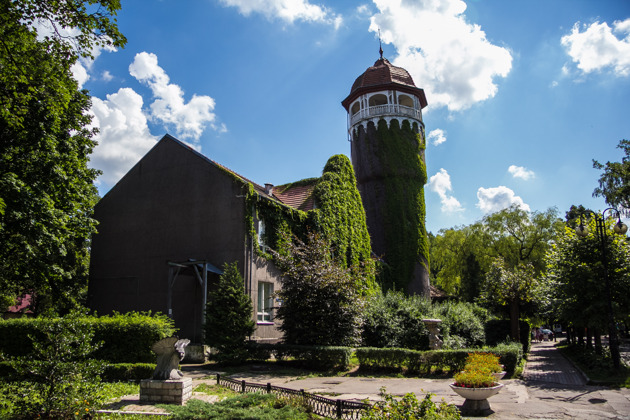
{"x": 172, "y": 391}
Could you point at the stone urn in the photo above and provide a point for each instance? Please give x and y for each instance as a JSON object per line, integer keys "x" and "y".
{"x": 476, "y": 399}
{"x": 498, "y": 375}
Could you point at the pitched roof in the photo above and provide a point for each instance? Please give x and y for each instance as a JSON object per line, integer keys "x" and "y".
{"x": 297, "y": 195}
{"x": 384, "y": 75}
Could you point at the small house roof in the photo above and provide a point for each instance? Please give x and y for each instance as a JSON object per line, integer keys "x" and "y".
{"x": 297, "y": 195}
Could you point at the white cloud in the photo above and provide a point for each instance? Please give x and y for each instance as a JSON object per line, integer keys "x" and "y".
{"x": 123, "y": 136}
{"x": 437, "y": 136}
{"x": 107, "y": 76}
{"x": 441, "y": 184}
{"x": 189, "y": 119}
{"x": 286, "y": 10}
{"x": 498, "y": 198}
{"x": 450, "y": 58}
{"x": 521, "y": 172}
{"x": 597, "y": 47}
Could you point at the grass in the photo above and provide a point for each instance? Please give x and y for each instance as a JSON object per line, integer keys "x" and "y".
{"x": 598, "y": 368}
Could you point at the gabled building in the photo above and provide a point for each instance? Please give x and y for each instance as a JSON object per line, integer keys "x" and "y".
{"x": 165, "y": 230}
{"x": 170, "y": 224}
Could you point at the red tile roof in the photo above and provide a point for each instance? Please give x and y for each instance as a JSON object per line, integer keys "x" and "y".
{"x": 383, "y": 75}
{"x": 299, "y": 196}
{"x": 23, "y": 305}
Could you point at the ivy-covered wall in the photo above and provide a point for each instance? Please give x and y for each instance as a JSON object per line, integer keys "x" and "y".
{"x": 391, "y": 173}
{"x": 338, "y": 215}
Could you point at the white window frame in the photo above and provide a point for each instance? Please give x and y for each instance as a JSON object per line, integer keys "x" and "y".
{"x": 265, "y": 303}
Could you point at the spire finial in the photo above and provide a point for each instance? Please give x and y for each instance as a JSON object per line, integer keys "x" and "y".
{"x": 380, "y": 46}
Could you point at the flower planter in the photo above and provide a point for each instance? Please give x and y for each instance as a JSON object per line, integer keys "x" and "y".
{"x": 498, "y": 375}
{"x": 476, "y": 403}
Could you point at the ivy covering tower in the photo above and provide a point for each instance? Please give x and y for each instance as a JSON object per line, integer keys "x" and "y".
{"x": 387, "y": 144}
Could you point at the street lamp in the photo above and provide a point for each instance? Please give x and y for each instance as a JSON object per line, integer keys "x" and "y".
{"x": 620, "y": 228}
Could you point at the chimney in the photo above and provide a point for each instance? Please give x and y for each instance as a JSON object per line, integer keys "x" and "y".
{"x": 268, "y": 188}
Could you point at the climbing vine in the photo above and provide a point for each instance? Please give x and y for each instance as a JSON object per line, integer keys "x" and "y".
{"x": 338, "y": 215}
{"x": 400, "y": 151}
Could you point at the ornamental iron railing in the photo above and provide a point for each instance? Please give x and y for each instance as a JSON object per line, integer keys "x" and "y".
{"x": 322, "y": 406}
{"x": 386, "y": 110}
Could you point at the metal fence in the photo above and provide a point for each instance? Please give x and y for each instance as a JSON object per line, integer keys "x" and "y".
{"x": 322, "y": 406}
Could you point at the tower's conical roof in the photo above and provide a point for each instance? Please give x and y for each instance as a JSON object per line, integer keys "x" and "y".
{"x": 384, "y": 75}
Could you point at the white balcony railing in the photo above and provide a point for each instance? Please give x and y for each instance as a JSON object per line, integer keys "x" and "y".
{"x": 392, "y": 110}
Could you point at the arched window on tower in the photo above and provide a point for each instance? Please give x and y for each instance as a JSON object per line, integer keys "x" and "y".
{"x": 378, "y": 99}
{"x": 356, "y": 107}
{"x": 405, "y": 100}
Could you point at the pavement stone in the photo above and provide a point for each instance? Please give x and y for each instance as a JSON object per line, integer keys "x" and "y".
{"x": 551, "y": 388}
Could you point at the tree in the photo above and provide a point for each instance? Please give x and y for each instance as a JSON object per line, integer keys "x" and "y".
{"x": 321, "y": 301}
{"x": 510, "y": 286}
{"x": 576, "y": 273}
{"x": 614, "y": 183}
{"x": 229, "y": 316}
{"x": 46, "y": 189}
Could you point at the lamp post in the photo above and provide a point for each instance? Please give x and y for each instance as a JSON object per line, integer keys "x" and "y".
{"x": 620, "y": 228}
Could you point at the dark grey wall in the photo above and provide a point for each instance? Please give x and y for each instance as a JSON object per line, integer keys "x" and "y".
{"x": 172, "y": 206}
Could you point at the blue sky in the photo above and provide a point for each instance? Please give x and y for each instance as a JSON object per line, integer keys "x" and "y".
{"x": 522, "y": 94}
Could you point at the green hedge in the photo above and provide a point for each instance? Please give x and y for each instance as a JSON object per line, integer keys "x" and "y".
{"x": 510, "y": 355}
{"x": 126, "y": 338}
{"x": 113, "y": 372}
{"x": 127, "y": 372}
{"x": 314, "y": 357}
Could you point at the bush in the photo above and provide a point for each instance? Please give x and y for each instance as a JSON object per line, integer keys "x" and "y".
{"x": 462, "y": 324}
{"x": 395, "y": 320}
{"x": 316, "y": 357}
{"x": 60, "y": 379}
{"x": 125, "y": 338}
{"x": 410, "y": 408}
{"x": 127, "y": 372}
{"x": 388, "y": 358}
{"x": 498, "y": 331}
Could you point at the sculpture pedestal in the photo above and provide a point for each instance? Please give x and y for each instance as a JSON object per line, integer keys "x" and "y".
{"x": 172, "y": 391}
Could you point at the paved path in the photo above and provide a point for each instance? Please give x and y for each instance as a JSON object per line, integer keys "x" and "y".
{"x": 552, "y": 389}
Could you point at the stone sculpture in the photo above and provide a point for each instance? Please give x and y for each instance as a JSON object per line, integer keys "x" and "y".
{"x": 169, "y": 353}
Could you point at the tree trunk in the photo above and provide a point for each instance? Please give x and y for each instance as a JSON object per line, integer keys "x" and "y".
{"x": 598, "y": 341}
{"x": 514, "y": 320}
{"x": 589, "y": 338}
{"x": 579, "y": 332}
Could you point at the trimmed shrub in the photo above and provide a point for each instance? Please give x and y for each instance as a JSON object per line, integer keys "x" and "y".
{"x": 462, "y": 324}
{"x": 316, "y": 357}
{"x": 125, "y": 338}
{"x": 388, "y": 358}
{"x": 127, "y": 372}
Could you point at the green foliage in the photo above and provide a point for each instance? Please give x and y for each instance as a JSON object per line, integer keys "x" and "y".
{"x": 340, "y": 215}
{"x": 127, "y": 371}
{"x": 321, "y": 302}
{"x": 410, "y": 408}
{"x": 462, "y": 324}
{"x": 576, "y": 275}
{"x": 400, "y": 152}
{"x": 316, "y": 357}
{"x": 395, "y": 320}
{"x": 61, "y": 378}
{"x": 244, "y": 406}
{"x": 614, "y": 183}
{"x": 46, "y": 187}
{"x": 498, "y": 331}
{"x": 125, "y": 338}
{"x": 229, "y": 316}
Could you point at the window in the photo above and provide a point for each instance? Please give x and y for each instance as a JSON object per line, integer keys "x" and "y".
{"x": 261, "y": 236}
{"x": 265, "y": 301}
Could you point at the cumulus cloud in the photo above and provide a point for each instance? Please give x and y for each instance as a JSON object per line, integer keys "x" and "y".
{"x": 498, "y": 198}
{"x": 521, "y": 172}
{"x": 441, "y": 184}
{"x": 286, "y": 10}
{"x": 437, "y": 136}
{"x": 450, "y": 58}
{"x": 189, "y": 119}
{"x": 597, "y": 47}
{"x": 123, "y": 136}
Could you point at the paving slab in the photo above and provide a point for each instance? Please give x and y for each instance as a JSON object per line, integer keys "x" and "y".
{"x": 551, "y": 388}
